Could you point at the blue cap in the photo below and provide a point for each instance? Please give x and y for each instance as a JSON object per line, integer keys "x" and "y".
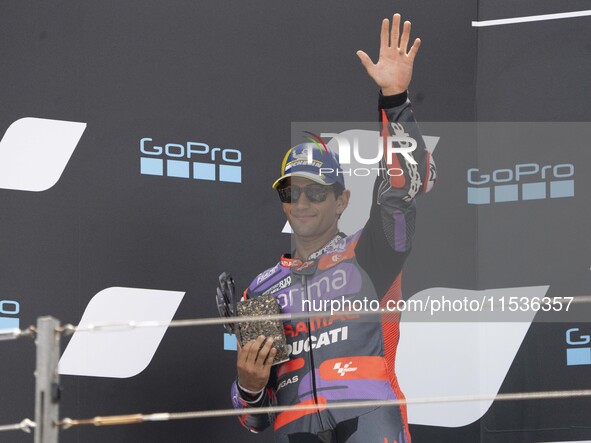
{"x": 312, "y": 162}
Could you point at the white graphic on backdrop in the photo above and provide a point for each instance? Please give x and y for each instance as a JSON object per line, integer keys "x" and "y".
{"x": 470, "y": 357}
{"x": 119, "y": 352}
{"x": 34, "y": 152}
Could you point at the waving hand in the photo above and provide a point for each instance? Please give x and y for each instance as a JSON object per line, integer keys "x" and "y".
{"x": 393, "y": 71}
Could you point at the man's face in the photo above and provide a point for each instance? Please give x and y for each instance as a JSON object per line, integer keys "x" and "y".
{"x": 312, "y": 220}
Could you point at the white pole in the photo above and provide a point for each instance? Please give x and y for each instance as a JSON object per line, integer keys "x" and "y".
{"x": 47, "y": 380}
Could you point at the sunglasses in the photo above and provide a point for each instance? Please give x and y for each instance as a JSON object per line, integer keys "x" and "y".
{"x": 316, "y": 193}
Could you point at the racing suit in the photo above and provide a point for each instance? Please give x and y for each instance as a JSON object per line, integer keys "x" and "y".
{"x": 347, "y": 358}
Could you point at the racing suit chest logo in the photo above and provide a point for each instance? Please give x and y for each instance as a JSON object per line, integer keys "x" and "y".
{"x": 340, "y": 281}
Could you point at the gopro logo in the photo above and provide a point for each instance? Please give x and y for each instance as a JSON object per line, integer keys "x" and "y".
{"x": 527, "y": 181}
{"x": 579, "y": 355}
{"x": 9, "y": 309}
{"x": 191, "y": 160}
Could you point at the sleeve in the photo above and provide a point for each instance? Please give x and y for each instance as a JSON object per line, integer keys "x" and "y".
{"x": 407, "y": 170}
{"x": 253, "y": 422}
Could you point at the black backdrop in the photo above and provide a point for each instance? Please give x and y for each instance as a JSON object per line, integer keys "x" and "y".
{"x": 235, "y": 74}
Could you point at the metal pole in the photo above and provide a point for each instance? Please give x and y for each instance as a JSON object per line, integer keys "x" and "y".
{"x": 47, "y": 384}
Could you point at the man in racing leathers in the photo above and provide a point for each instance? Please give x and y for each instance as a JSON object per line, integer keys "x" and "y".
{"x": 340, "y": 358}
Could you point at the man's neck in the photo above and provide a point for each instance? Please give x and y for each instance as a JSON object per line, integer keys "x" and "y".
{"x": 304, "y": 247}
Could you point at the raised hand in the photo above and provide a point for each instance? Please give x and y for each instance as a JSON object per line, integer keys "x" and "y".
{"x": 393, "y": 71}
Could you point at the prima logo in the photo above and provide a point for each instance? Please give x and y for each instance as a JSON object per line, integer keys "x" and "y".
{"x": 35, "y": 151}
{"x": 193, "y": 160}
{"x": 9, "y": 310}
{"x": 326, "y": 285}
{"x": 525, "y": 181}
{"x": 579, "y": 347}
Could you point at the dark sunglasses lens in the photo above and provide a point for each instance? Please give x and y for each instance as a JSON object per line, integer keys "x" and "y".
{"x": 289, "y": 194}
{"x": 284, "y": 194}
{"x": 316, "y": 193}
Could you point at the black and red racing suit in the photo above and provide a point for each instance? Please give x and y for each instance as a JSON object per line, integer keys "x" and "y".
{"x": 347, "y": 358}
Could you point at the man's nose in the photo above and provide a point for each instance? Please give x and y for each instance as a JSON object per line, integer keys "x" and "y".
{"x": 302, "y": 200}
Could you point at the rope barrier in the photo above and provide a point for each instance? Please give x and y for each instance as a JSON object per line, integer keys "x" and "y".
{"x": 13, "y": 334}
{"x": 113, "y": 420}
{"x": 26, "y": 426}
{"x": 69, "y": 329}
{"x": 111, "y": 327}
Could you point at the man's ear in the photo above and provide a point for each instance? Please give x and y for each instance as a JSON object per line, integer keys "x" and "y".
{"x": 343, "y": 201}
